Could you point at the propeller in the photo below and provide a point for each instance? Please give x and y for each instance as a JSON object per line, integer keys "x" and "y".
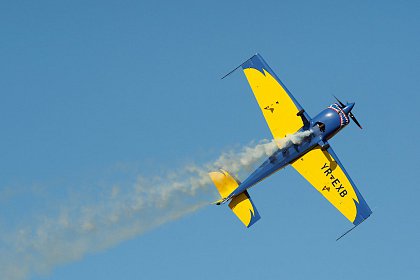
{"x": 355, "y": 120}
{"x": 342, "y": 105}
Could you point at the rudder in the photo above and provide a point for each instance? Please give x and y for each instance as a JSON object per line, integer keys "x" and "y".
{"x": 224, "y": 182}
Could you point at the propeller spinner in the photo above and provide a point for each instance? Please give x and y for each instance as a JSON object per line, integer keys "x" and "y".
{"x": 342, "y": 105}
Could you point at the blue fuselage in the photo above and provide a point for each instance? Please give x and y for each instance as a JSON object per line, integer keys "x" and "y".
{"x": 324, "y": 126}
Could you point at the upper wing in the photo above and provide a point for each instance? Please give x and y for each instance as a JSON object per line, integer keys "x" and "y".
{"x": 326, "y": 173}
{"x": 277, "y": 104}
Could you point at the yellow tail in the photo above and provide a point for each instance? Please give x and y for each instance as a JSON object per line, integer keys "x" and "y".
{"x": 224, "y": 182}
{"x": 241, "y": 204}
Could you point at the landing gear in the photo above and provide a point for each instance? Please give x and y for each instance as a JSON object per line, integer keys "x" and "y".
{"x": 304, "y": 119}
{"x": 325, "y": 147}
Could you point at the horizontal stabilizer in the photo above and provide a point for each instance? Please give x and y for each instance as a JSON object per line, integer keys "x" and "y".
{"x": 241, "y": 204}
{"x": 244, "y": 209}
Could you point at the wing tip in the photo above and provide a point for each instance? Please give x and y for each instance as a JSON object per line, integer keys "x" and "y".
{"x": 242, "y": 64}
{"x": 355, "y": 225}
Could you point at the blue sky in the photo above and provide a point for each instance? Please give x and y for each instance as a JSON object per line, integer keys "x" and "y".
{"x": 99, "y": 98}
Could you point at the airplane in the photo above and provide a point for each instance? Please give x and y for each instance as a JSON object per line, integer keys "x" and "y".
{"x": 313, "y": 157}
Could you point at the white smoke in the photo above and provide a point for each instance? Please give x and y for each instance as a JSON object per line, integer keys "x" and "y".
{"x": 91, "y": 224}
{"x": 293, "y": 139}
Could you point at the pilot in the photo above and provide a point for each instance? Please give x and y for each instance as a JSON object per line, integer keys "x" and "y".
{"x": 321, "y": 126}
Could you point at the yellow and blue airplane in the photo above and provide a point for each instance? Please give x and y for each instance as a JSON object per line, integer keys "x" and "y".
{"x": 313, "y": 157}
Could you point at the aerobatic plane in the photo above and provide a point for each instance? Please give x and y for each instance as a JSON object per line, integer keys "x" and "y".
{"x": 312, "y": 157}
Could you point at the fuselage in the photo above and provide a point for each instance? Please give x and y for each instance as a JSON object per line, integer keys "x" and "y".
{"x": 323, "y": 126}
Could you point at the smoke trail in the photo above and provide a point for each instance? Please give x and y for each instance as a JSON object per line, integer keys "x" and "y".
{"x": 293, "y": 139}
{"x": 80, "y": 227}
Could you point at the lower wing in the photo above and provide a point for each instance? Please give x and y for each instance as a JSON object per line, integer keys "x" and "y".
{"x": 325, "y": 172}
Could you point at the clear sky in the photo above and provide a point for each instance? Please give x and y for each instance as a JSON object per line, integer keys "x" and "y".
{"x": 105, "y": 103}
